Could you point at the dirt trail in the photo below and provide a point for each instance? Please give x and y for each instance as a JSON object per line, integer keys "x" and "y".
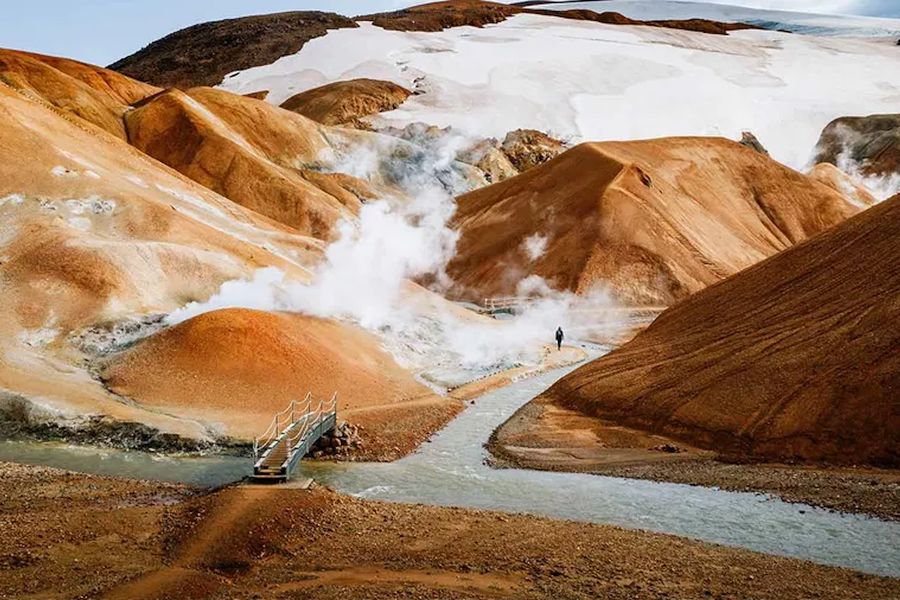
{"x": 191, "y": 575}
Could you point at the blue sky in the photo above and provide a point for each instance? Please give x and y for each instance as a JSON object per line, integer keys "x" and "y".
{"x": 101, "y": 31}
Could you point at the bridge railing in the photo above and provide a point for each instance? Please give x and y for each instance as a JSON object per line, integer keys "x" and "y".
{"x": 506, "y": 303}
{"x": 310, "y": 421}
{"x": 281, "y": 422}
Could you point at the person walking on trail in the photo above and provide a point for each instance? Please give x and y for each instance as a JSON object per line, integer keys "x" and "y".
{"x": 559, "y": 338}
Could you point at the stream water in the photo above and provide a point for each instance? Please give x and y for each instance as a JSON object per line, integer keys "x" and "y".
{"x": 450, "y": 470}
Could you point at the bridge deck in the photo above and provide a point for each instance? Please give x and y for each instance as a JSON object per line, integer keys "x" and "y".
{"x": 290, "y": 437}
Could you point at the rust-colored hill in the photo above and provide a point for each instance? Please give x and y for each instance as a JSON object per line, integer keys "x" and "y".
{"x": 346, "y": 101}
{"x": 870, "y": 143}
{"x": 239, "y": 367}
{"x": 796, "y": 358}
{"x": 654, "y": 220}
{"x": 251, "y": 152}
{"x": 95, "y": 95}
{"x": 204, "y": 54}
{"x": 437, "y": 16}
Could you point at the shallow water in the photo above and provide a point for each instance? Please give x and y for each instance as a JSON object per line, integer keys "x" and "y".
{"x": 204, "y": 471}
{"x": 450, "y": 470}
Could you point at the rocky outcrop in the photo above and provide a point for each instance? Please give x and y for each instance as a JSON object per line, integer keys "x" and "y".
{"x": 750, "y": 141}
{"x": 869, "y": 145}
{"x": 795, "y": 359}
{"x": 204, "y": 54}
{"x": 346, "y": 102}
{"x": 528, "y": 148}
{"x": 340, "y": 441}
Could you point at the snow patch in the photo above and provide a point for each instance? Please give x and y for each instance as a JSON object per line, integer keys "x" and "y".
{"x": 591, "y": 81}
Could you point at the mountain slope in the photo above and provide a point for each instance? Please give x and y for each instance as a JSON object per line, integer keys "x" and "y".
{"x": 655, "y": 220}
{"x": 203, "y": 54}
{"x": 796, "y": 358}
{"x": 95, "y": 239}
{"x": 95, "y": 95}
{"x": 254, "y": 154}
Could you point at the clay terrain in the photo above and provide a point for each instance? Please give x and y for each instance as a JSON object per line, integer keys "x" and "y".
{"x": 153, "y": 540}
{"x": 503, "y": 238}
{"x": 654, "y": 220}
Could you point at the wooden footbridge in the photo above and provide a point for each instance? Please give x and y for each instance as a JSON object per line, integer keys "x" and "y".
{"x": 290, "y": 436}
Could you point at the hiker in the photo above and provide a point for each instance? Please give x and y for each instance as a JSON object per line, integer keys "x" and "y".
{"x": 559, "y": 338}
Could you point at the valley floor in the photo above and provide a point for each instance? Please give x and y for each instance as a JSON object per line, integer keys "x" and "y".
{"x": 67, "y": 535}
{"x": 544, "y": 436}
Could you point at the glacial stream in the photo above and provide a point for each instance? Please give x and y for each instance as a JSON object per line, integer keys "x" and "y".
{"x": 450, "y": 470}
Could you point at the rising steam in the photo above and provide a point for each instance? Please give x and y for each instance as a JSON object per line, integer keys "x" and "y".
{"x": 365, "y": 275}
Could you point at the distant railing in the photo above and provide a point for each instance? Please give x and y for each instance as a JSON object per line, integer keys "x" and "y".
{"x": 507, "y": 303}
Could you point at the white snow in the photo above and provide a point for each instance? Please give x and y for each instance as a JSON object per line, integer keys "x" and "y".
{"x": 590, "y": 81}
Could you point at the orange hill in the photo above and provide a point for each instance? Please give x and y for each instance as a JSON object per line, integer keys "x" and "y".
{"x": 239, "y": 367}
{"x": 796, "y": 358}
{"x": 97, "y": 96}
{"x": 251, "y": 152}
{"x": 262, "y": 157}
{"x": 655, "y": 220}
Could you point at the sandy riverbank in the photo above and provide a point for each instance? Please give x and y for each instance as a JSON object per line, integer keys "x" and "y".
{"x": 542, "y": 435}
{"x": 68, "y": 535}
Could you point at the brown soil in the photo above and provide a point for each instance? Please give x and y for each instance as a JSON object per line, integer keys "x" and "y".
{"x": 794, "y": 359}
{"x": 204, "y": 54}
{"x": 343, "y": 102}
{"x": 872, "y": 142}
{"x": 652, "y": 220}
{"x": 238, "y": 367}
{"x": 437, "y": 16}
{"x": 68, "y": 536}
{"x": 542, "y": 435}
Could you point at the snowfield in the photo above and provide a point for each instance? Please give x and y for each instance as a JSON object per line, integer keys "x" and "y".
{"x": 590, "y": 81}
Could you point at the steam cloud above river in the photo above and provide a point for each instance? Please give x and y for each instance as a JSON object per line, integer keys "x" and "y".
{"x": 365, "y": 275}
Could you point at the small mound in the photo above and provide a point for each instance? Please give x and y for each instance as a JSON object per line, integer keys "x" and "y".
{"x": 794, "y": 359}
{"x": 239, "y": 367}
{"x": 346, "y": 101}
